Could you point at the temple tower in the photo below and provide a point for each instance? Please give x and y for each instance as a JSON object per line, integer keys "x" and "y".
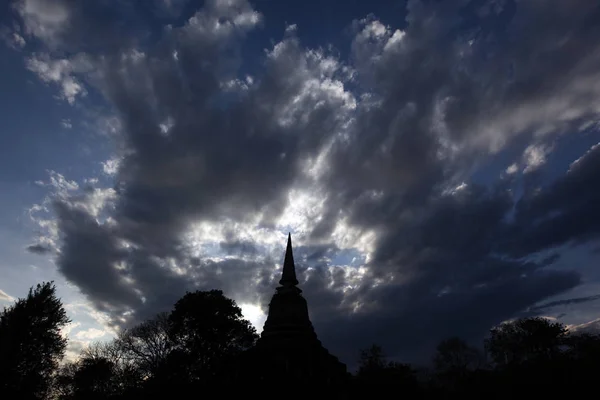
{"x": 288, "y": 323}
{"x": 288, "y": 350}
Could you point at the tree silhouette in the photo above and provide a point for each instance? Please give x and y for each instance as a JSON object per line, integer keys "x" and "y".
{"x": 95, "y": 378}
{"x": 31, "y": 344}
{"x": 371, "y": 360}
{"x": 167, "y": 355}
{"x": 457, "y": 368}
{"x": 584, "y": 346}
{"x": 63, "y": 385}
{"x": 453, "y": 355}
{"x": 376, "y": 374}
{"x": 102, "y": 372}
{"x": 208, "y": 327}
{"x": 525, "y": 340}
{"x": 195, "y": 347}
{"x": 147, "y": 345}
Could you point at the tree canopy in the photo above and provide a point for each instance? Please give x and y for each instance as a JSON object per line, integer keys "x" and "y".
{"x": 525, "y": 340}
{"x": 31, "y": 344}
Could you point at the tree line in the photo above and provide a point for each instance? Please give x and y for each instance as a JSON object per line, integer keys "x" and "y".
{"x": 191, "y": 350}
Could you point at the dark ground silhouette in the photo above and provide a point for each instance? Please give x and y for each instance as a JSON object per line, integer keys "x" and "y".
{"x": 204, "y": 345}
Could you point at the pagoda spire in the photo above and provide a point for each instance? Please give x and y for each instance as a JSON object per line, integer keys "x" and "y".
{"x": 288, "y": 349}
{"x": 288, "y": 277}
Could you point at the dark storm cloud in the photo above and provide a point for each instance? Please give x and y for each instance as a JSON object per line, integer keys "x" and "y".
{"x": 440, "y": 97}
{"x": 195, "y": 151}
{"x": 215, "y": 162}
{"x": 409, "y": 320}
{"x": 439, "y": 275}
{"x": 90, "y": 26}
{"x": 120, "y": 278}
{"x": 202, "y": 142}
{"x": 89, "y": 256}
{"x": 565, "y": 212}
{"x": 39, "y": 249}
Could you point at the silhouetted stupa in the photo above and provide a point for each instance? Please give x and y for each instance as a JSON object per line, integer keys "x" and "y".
{"x": 288, "y": 321}
{"x": 288, "y": 350}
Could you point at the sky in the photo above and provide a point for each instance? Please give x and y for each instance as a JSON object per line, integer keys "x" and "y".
{"x": 436, "y": 162}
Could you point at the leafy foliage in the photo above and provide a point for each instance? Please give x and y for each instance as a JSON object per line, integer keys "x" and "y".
{"x": 207, "y": 327}
{"x": 164, "y": 355}
{"x": 31, "y": 344}
{"x": 525, "y": 340}
{"x": 210, "y": 324}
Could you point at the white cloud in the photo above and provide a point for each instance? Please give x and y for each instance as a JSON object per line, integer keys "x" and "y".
{"x": 39, "y": 215}
{"x": 80, "y": 336}
{"x": 316, "y": 77}
{"x": 591, "y": 327}
{"x": 373, "y": 29}
{"x": 247, "y": 19}
{"x": 66, "y": 330}
{"x": 347, "y": 236}
{"x": 92, "y": 200}
{"x": 48, "y": 70}
{"x": 534, "y": 156}
{"x": 587, "y": 153}
{"x": 16, "y": 41}
{"x": 512, "y": 168}
{"x": 71, "y": 88}
{"x": 44, "y": 19}
{"x": 394, "y": 40}
{"x": 235, "y": 85}
{"x": 303, "y": 210}
{"x": 111, "y": 166}
{"x": 80, "y": 309}
{"x": 12, "y": 38}
{"x": 456, "y": 189}
{"x": 90, "y": 334}
{"x": 220, "y": 19}
{"x": 5, "y": 297}
{"x": 66, "y": 123}
{"x": 58, "y": 71}
{"x": 61, "y": 184}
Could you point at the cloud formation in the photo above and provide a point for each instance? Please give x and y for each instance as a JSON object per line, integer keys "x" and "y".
{"x": 577, "y": 300}
{"x": 5, "y": 297}
{"x": 368, "y": 160}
